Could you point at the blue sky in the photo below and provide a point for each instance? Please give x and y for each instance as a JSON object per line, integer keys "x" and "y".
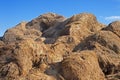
{"x": 13, "y": 12}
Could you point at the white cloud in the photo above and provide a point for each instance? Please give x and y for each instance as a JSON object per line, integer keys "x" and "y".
{"x": 112, "y": 18}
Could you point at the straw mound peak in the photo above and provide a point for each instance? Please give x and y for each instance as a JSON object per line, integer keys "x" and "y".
{"x": 52, "y": 47}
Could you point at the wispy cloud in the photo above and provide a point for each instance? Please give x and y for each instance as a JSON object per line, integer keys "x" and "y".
{"x": 108, "y": 19}
{"x": 112, "y": 18}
